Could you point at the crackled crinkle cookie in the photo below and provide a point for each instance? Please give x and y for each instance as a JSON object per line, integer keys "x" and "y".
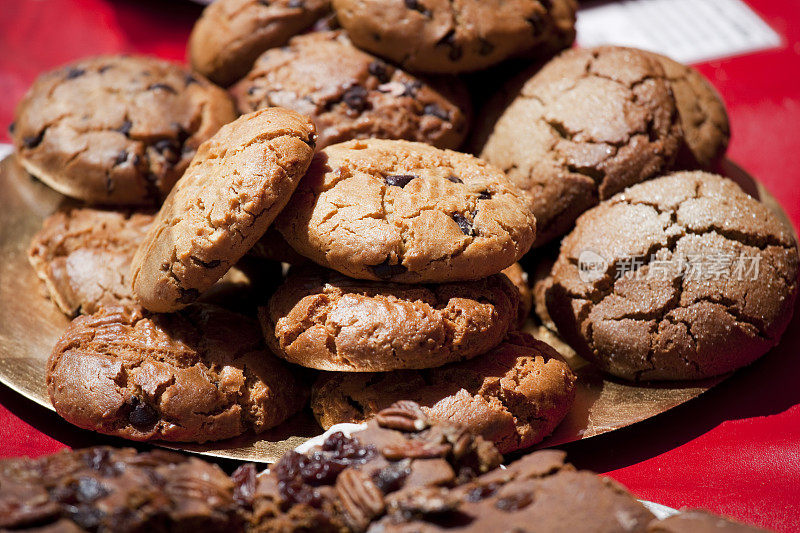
{"x": 83, "y": 256}
{"x": 197, "y": 375}
{"x": 455, "y": 36}
{"x": 407, "y": 212}
{"x": 539, "y": 492}
{"x": 350, "y": 94}
{"x": 347, "y": 482}
{"x": 590, "y": 123}
{"x": 321, "y": 319}
{"x": 514, "y": 395}
{"x": 231, "y": 34}
{"x": 238, "y": 182}
{"x": 116, "y": 129}
{"x": 681, "y": 277}
{"x": 108, "y": 489}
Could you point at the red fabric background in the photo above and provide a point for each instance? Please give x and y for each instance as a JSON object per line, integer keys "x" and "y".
{"x": 735, "y": 450}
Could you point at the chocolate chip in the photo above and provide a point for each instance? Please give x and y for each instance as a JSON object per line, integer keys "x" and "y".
{"x": 125, "y": 129}
{"x": 252, "y": 90}
{"x": 90, "y": 490}
{"x": 449, "y": 40}
{"x": 416, "y": 6}
{"x": 75, "y": 73}
{"x": 387, "y": 271}
{"x": 188, "y": 295}
{"x": 311, "y": 141}
{"x": 486, "y": 47}
{"x": 514, "y": 502}
{"x": 436, "y": 111}
{"x": 380, "y": 70}
{"x": 536, "y": 22}
{"x": 32, "y": 141}
{"x": 142, "y": 416}
{"x": 464, "y": 224}
{"x": 485, "y": 195}
{"x": 121, "y": 158}
{"x": 189, "y": 79}
{"x": 412, "y": 87}
{"x": 454, "y": 179}
{"x": 163, "y": 87}
{"x": 296, "y": 3}
{"x": 214, "y": 263}
{"x": 399, "y": 180}
{"x": 169, "y": 148}
{"x": 356, "y": 98}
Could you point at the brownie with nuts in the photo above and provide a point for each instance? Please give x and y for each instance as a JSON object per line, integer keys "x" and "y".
{"x": 120, "y": 490}
{"x": 344, "y": 484}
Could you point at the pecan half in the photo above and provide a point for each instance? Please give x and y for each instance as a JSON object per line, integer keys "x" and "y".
{"x": 404, "y": 415}
{"x": 360, "y": 498}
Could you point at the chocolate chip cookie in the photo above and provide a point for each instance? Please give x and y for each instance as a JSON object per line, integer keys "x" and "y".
{"x": 519, "y": 278}
{"x": 107, "y": 489}
{"x": 323, "y": 320}
{"x": 407, "y": 212}
{"x": 239, "y": 180}
{"x": 83, "y": 257}
{"x": 350, "y": 94}
{"x": 345, "y": 483}
{"x": 198, "y": 375}
{"x": 231, "y": 34}
{"x": 590, "y": 123}
{"x": 514, "y": 395}
{"x": 446, "y": 36}
{"x": 696, "y": 521}
{"x": 681, "y": 277}
{"x": 116, "y": 129}
{"x": 539, "y": 492}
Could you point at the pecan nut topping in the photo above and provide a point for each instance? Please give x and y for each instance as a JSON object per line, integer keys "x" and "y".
{"x": 361, "y": 499}
{"x": 404, "y": 415}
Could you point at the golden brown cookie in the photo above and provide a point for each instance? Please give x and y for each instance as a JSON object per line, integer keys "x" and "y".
{"x": 231, "y": 34}
{"x": 681, "y": 277}
{"x": 321, "y": 319}
{"x": 519, "y": 278}
{"x": 237, "y": 184}
{"x": 514, "y": 395}
{"x": 198, "y": 375}
{"x": 350, "y": 94}
{"x": 116, "y": 129}
{"x": 407, "y": 212}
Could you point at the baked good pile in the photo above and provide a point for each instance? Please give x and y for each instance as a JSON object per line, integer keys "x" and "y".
{"x": 289, "y": 224}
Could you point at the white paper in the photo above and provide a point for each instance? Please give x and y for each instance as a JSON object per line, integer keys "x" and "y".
{"x": 689, "y": 31}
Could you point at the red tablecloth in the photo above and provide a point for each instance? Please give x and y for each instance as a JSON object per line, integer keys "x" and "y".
{"x": 735, "y": 450}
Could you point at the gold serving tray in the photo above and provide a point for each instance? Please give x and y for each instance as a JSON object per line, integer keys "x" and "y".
{"x": 30, "y": 324}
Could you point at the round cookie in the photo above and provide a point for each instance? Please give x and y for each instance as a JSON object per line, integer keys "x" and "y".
{"x": 198, "y": 375}
{"x": 407, "y": 212}
{"x": 116, "y": 129}
{"x": 514, "y": 395}
{"x": 231, "y": 34}
{"x": 350, "y": 94}
{"x": 441, "y": 36}
{"x": 320, "y": 319}
{"x": 681, "y": 277}
{"x": 590, "y": 123}
{"x": 519, "y": 278}
{"x": 702, "y": 113}
{"x": 83, "y": 257}
{"x": 226, "y": 200}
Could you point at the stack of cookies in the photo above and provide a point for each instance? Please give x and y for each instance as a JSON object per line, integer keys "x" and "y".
{"x": 404, "y": 282}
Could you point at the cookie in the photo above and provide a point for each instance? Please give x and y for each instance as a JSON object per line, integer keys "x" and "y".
{"x": 273, "y": 247}
{"x": 320, "y": 319}
{"x": 231, "y": 34}
{"x": 342, "y": 485}
{"x": 107, "y": 489}
{"x": 350, "y": 94}
{"x": 407, "y": 212}
{"x": 240, "y": 179}
{"x": 681, "y": 277}
{"x": 539, "y": 492}
{"x": 83, "y": 257}
{"x": 519, "y": 278}
{"x": 590, "y": 123}
{"x": 438, "y": 36}
{"x": 703, "y": 117}
{"x": 514, "y": 395}
{"x": 696, "y": 521}
{"x": 116, "y": 129}
{"x": 198, "y": 375}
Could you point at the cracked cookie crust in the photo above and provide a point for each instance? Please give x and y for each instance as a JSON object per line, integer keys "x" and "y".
{"x": 695, "y": 279}
{"x": 350, "y": 94}
{"x": 238, "y": 182}
{"x": 116, "y": 129}
{"x": 323, "y": 320}
{"x": 198, "y": 375}
{"x": 590, "y": 123}
{"x": 449, "y": 36}
{"x": 407, "y": 212}
{"x": 514, "y": 395}
{"x": 231, "y": 34}
{"x": 83, "y": 257}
